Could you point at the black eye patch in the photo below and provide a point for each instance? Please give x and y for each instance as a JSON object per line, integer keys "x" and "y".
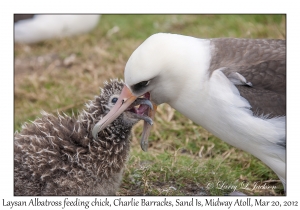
{"x": 140, "y": 85}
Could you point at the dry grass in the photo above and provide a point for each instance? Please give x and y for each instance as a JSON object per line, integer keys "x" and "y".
{"x": 182, "y": 158}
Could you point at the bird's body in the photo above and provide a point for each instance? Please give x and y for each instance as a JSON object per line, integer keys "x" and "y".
{"x": 223, "y": 112}
{"x": 35, "y": 28}
{"x": 57, "y": 155}
{"x": 211, "y": 99}
{"x": 235, "y": 88}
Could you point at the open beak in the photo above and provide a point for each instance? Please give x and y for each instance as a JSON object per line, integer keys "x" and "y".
{"x": 125, "y": 100}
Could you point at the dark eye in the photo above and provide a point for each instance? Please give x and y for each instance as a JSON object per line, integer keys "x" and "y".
{"x": 140, "y": 85}
{"x": 143, "y": 84}
{"x": 114, "y": 100}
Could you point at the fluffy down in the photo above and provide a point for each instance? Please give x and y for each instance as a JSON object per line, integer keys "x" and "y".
{"x": 57, "y": 155}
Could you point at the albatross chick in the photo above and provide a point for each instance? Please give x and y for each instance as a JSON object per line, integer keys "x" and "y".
{"x": 57, "y": 155}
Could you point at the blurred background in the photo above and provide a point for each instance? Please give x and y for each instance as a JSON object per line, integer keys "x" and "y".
{"x": 61, "y": 71}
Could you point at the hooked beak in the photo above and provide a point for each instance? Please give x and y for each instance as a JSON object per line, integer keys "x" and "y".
{"x": 147, "y": 128}
{"x": 125, "y": 100}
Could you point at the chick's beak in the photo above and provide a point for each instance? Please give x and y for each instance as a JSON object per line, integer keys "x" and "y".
{"x": 125, "y": 100}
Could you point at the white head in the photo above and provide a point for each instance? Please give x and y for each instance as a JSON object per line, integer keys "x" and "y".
{"x": 159, "y": 65}
{"x": 158, "y": 70}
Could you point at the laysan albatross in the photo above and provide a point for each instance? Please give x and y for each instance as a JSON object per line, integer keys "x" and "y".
{"x": 234, "y": 88}
{"x": 29, "y": 29}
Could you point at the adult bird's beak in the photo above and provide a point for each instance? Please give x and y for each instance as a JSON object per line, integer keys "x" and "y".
{"x": 125, "y": 100}
{"x": 147, "y": 128}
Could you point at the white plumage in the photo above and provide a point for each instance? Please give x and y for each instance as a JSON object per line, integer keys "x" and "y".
{"x": 43, "y": 27}
{"x": 234, "y": 88}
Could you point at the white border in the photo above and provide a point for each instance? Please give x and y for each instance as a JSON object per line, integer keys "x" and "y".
{"x": 8, "y": 8}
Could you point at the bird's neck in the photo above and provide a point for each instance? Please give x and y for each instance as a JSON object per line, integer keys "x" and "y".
{"x": 184, "y": 67}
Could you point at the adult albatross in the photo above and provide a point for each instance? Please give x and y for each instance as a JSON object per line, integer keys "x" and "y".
{"x": 234, "y": 88}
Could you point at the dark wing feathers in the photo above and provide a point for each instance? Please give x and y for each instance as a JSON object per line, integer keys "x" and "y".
{"x": 262, "y": 63}
{"x": 263, "y": 101}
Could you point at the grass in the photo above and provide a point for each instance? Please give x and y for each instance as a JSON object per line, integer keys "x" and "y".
{"x": 183, "y": 158}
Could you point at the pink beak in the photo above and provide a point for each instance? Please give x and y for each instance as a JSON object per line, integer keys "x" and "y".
{"x": 125, "y": 99}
